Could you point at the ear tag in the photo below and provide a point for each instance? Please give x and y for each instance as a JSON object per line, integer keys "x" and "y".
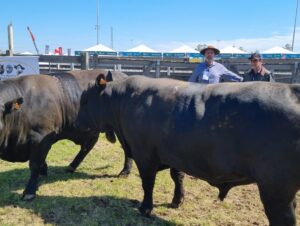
{"x": 16, "y": 106}
{"x": 102, "y": 82}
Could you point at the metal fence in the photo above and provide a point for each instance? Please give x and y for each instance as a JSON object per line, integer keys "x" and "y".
{"x": 285, "y": 70}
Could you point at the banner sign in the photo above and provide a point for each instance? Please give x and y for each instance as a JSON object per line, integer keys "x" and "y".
{"x": 15, "y": 66}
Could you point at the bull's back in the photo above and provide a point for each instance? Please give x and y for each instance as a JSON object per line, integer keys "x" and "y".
{"x": 236, "y": 124}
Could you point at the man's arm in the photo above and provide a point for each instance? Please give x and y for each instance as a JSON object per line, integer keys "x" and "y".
{"x": 195, "y": 74}
{"x": 230, "y": 76}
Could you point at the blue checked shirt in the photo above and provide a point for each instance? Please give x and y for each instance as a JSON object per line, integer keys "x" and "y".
{"x": 213, "y": 73}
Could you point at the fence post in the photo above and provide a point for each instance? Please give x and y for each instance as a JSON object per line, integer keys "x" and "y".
{"x": 85, "y": 61}
{"x": 119, "y": 67}
{"x": 168, "y": 71}
{"x": 295, "y": 74}
{"x": 95, "y": 60}
{"x": 157, "y": 71}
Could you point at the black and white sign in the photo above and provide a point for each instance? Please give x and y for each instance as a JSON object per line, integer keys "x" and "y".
{"x": 18, "y": 66}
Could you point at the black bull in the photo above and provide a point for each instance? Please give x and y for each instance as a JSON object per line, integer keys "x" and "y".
{"x": 225, "y": 134}
{"x": 38, "y": 110}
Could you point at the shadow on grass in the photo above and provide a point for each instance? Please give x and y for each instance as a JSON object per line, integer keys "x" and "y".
{"x": 60, "y": 210}
{"x": 17, "y": 179}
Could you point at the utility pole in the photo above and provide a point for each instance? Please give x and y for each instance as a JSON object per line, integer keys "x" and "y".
{"x": 295, "y": 27}
{"x": 111, "y": 37}
{"x": 97, "y": 26}
{"x": 10, "y": 40}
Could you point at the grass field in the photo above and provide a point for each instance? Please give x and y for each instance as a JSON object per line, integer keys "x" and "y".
{"x": 95, "y": 196}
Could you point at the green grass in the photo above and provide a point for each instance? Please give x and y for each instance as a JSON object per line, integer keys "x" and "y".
{"x": 94, "y": 196}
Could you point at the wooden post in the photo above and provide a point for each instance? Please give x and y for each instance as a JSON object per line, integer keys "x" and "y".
{"x": 85, "y": 61}
{"x": 119, "y": 67}
{"x": 169, "y": 71}
{"x": 296, "y": 73}
{"x": 10, "y": 51}
{"x": 95, "y": 60}
{"x": 157, "y": 70}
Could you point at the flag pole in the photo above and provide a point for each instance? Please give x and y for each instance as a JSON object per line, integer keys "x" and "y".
{"x": 97, "y": 26}
{"x": 295, "y": 27}
{"x": 33, "y": 40}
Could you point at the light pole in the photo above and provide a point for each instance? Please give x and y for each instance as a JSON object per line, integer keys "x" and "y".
{"x": 97, "y": 26}
{"x": 295, "y": 27}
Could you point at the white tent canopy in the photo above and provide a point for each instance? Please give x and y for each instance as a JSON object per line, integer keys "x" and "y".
{"x": 100, "y": 48}
{"x": 26, "y": 53}
{"x": 142, "y": 49}
{"x": 184, "y": 49}
{"x": 278, "y": 50}
{"x": 232, "y": 50}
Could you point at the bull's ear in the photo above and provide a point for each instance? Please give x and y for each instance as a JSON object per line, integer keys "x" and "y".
{"x": 109, "y": 77}
{"x": 101, "y": 81}
{"x": 13, "y": 105}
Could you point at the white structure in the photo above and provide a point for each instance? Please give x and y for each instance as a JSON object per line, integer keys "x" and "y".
{"x": 232, "y": 50}
{"x": 26, "y": 53}
{"x": 277, "y": 50}
{"x": 142, "y": 49}
{"x": 184, "y": 49}
{"x": 99, "y": 48}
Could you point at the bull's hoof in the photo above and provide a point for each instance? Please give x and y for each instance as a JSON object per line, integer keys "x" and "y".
{"x": 70, "y": 169}
{"x": 176, "y": 203}
{"x": 124, "y": 173}
{"x": 146, "y": 212}
{"x": 28, "y": 197}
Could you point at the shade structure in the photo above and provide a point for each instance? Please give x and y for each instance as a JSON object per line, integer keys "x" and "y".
{"x": 141, "y": 51}
{"x": 184, "y": 49}
{"x": 232, "y": 50}
{"x": 100, "y": 48}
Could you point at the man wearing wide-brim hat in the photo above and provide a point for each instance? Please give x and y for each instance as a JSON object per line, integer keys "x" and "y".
{"x": 210, "y": 72}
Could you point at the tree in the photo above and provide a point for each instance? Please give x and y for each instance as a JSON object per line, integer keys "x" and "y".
{"x": 288, "y": 47}
{"x": 200, "y": 47}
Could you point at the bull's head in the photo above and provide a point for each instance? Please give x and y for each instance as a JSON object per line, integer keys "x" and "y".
{"x": 102, "y": 80}
{"x": 93, "y": 106}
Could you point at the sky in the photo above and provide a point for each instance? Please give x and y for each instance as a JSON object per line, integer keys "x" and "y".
{"x": 160, "y": 24}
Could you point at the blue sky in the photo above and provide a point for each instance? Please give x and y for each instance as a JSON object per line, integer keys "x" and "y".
{"x": 160, "y": 24}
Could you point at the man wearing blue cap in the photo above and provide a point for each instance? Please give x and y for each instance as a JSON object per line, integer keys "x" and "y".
{"x": 257, "y": 72}
{"x": 211, "y": 72}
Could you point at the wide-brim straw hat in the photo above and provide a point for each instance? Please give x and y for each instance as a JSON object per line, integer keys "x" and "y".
{"x": 210, "y": 47}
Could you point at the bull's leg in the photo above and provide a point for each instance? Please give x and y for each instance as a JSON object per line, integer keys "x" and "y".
{"x": 78, "y": 159}
{"x": 178, "y": 197}
{"x": 127, "y": 161}
{"x": 44, "y": 169}
{"x": 127, "y": 166}
{"x": 84, "y": 150}
{"x": 148, "y": 175}
{"x": 36, "y": 162}
{"x": 279, "y": 206}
